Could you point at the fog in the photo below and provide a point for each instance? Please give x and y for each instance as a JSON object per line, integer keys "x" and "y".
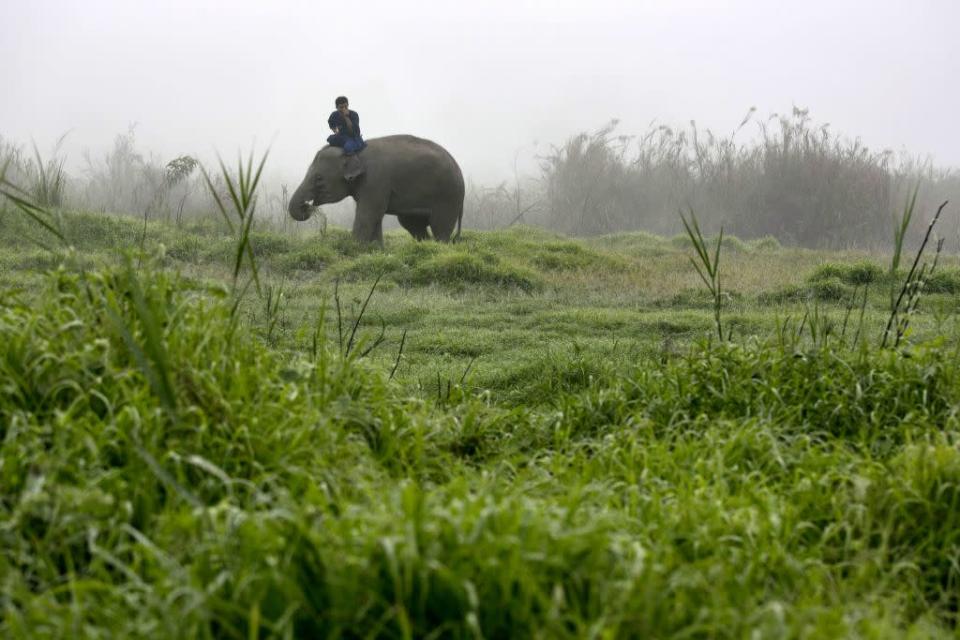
{"x": 498, "y": 83}
{"x": 487, "y": 80}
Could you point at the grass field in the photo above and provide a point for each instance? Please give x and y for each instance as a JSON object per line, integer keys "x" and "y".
{"x": 526, "y": 436}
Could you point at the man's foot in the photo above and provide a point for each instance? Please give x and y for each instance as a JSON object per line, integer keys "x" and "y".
{"x": 353, "y": 167}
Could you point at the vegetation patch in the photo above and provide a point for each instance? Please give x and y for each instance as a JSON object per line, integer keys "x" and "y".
{"x": 943, "y": 280}
{"x": 370, "y": 266}
{"x": 315, "y": 256}
{"x": 411, "y": 252}
{"x": 266, "y": 244}
{"x": 543, "y": 376}
{"x": 766, "y": 243}
{"x": 856, "y": 274}
{"x": 824, "y": 289}
{"x": 566, "y": 256}
{"x": 342, "y": 242}
{"x": 831, "y": 290}
{"x": 696, "y": 299}
{"x": 636, "y": 243}
{"x": 730, "y": 243}
{"x": 457, "y": 270}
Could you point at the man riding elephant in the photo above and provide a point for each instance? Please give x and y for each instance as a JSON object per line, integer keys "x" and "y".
{"x": 414, "y": 179}
{"x": 345, "y": 125}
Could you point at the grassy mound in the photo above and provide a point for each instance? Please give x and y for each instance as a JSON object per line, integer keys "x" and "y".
{"x": 458, "y": 270}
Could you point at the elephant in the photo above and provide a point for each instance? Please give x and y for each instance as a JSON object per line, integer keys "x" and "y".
{"x": 414, "y": 179}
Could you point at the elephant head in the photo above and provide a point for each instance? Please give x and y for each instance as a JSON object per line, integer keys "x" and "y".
{"x": 323, "y": 184}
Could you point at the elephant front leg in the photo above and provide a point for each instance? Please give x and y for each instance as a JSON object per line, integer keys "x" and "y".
{"x": 368, "y": 224}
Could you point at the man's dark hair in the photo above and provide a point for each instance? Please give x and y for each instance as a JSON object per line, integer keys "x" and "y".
{"x": 341, "y": 100}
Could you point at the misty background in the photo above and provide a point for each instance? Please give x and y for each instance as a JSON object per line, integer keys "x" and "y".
{"x": 806, "y": 121}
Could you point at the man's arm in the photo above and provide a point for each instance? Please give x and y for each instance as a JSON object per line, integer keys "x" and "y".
{"x": 333, "y": 121}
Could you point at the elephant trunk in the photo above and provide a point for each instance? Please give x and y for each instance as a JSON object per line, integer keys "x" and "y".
{"x": 299, "y": 206}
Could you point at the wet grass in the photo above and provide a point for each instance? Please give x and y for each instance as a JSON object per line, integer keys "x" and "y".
{"x": 562, "y": 451}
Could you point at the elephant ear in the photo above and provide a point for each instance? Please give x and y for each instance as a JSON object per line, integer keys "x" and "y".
{"x": 353, "y": 166}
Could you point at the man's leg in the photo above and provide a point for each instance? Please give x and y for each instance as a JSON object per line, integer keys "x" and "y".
{"x": 353, "y": 166}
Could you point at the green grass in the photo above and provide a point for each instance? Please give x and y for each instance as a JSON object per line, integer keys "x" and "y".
{"x": 564, "y": 450}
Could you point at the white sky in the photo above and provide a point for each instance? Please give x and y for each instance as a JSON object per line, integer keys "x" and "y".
{"x": 486, "y": 79}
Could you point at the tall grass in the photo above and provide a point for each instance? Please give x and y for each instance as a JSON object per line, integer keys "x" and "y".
{"x": 49, "y": 183}
{"x": 904, "y": 303}
{"x": 241, "y": 200}
{"x": 45, "y": 181}
{"x": 793, "y": 179}
{"x": 707, "y": 266}
{"x": 49, "y": 222}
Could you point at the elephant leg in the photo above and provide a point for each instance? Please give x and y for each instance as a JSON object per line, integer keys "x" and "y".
{"x": 416, "y": 225}
{"x": 443, "y": 222}
{"x": 368, "y": 224}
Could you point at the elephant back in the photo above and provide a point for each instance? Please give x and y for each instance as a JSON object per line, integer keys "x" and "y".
{"x": 407, "y": 154}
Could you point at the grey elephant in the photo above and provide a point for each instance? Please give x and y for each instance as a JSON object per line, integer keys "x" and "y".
{"x": 412, "y": 178}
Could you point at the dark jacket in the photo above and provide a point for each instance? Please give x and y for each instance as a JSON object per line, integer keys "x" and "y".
{"x": 337, "y": 121}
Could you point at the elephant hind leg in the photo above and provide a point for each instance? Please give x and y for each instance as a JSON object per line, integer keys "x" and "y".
{"x": 444, "y": 221}
{"x": 416, "y": 225}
